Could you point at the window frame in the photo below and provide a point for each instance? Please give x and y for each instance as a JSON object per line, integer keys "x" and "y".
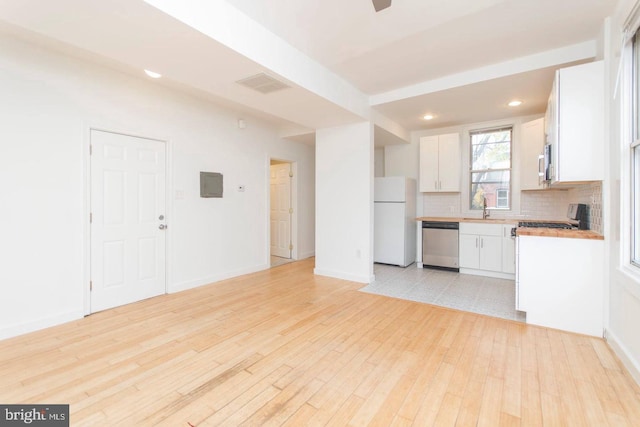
{"x": 472, "y": 171}
{"x": 633, "y": 141}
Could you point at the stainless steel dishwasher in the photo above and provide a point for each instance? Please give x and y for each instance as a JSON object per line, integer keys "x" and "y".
{"x": 440, "y": 245}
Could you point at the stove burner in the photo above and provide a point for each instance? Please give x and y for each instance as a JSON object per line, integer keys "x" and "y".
{"x": 538, "y": 224}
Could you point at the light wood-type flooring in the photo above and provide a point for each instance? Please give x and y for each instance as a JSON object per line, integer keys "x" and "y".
{"x": 285, "y": 347}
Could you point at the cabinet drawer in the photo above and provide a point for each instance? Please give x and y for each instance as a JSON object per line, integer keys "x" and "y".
{"x": 481, "y": 229}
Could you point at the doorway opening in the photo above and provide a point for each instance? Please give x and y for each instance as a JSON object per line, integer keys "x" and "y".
{"x": 282, "y": 212}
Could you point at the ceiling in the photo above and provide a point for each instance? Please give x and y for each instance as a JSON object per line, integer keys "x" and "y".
{"x": 460, "y": 60}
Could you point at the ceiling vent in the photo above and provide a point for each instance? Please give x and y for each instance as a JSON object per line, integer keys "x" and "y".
{"x": 263, "y": 83}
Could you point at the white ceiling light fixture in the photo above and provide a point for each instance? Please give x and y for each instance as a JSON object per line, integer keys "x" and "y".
{"x": 515, "y": 103}
{"x": 428, "y": 117}
{"x": 152, "y": 74}
{"x": 378, "y": 5}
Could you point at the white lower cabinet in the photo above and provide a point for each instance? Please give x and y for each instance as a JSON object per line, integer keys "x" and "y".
{"x": 484, "y": 250}
{"x": 508, "y": 250}
{"x": 560, "y": 283}
{"x": 469, "y": 250}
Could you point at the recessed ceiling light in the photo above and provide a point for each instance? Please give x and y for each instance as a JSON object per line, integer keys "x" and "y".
{"x": 515, "y": 103}
{"x": 152, "y": 74}
{"x": 428, "y": 117}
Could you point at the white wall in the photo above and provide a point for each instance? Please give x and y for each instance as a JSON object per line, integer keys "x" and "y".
{"x": 344, "y": 202}
{"x": 624, "y": 281}
{"x": 49, "y": 102}
{"x": 378, "y": 169}
{"x": 404, "y": 160}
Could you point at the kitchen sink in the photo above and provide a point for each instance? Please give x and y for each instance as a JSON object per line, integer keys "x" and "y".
{"x": 496, "y": 220}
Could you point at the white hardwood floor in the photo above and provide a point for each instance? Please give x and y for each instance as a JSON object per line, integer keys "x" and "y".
{"x": 284, "y": 347}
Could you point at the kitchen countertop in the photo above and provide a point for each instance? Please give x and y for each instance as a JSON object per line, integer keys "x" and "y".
{"x": 480, "y": 220}
{"x": 525, "y": 231}
{"x": 456, "y": 219}
{"x": 558, "y": 232}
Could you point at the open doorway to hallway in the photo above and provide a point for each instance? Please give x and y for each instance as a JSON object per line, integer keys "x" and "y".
{"x": 281, "y": 212}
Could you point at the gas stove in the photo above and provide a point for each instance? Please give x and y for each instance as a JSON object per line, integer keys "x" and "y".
{"x": 543, "y": 224}
{"x": 577, "y": 215}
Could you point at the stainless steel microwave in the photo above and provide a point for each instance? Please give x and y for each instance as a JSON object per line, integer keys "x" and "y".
{"x": 547, "y": 172}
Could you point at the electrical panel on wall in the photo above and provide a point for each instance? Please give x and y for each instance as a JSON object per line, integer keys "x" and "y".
{"x": 211, "y": 184}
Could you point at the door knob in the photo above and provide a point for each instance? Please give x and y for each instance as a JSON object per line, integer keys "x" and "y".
{"x": 162, "y": 226}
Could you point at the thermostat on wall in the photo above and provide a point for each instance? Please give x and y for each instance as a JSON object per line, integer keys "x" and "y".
{"x": 210, "y": 184}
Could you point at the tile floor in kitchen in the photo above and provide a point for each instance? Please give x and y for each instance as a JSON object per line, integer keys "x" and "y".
{"x": 477, "y": 294}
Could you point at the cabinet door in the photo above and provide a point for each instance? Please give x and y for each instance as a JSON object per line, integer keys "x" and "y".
{"x": 580, "y": 104}
{"x": 449, "y": 162}
{"x": 552, "y": 127}
{"x": 469, "y": 251}
{"x": 491, "y": 253}
{"x": 429, "y": 164}
{"x": 508, "y": 250}
{"x": 531, "y": 148}
{"x": 558, "y": 297}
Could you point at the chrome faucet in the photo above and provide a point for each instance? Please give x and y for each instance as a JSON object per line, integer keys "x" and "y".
{"x": 485, "y": 212}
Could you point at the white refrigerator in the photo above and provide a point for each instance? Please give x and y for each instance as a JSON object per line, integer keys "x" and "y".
{"x": 394, "y": 221}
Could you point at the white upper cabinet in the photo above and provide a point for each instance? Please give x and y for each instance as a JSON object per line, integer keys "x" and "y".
{"x": 429, "y": 156}
{"x": 575, "y": 127}
{"x": 531, "y": 155}
{"x": 440, "y": 163}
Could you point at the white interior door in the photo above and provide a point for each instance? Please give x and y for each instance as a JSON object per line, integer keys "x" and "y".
{"x": 281, "y": 210}
{"x": 128, "y": 219}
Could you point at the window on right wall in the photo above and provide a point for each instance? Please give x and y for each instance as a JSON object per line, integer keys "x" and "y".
{"x": 490, "y": 173}
{"x": 635, "y": 151}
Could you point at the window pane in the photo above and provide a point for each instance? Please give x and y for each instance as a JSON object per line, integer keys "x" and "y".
{"x": 491, "y": 150}
{"x": 502, "y": 198}
{"x": 636, "y": 86}
{"x": 635, "y": 153}
{"x": 494, "y": 186}
{"x": 635, "y": 216}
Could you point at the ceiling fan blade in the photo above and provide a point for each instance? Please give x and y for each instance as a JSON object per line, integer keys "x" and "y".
{"x": 381, "y": 4}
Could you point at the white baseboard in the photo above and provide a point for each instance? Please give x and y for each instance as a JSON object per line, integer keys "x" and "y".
{"x": 38, "y": 324}
{"x": 632, "y": 365}
{"x": 306, "y": 255}
{"x": 183, "y": 286}
{"x": 474, "y": 272}
{"x": 344, "y": 276}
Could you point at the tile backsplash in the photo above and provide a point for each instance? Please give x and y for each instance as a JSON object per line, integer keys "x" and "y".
{"x": 591, "y": 195}
{"x": 441, "y": 204}
{"x": 547, "y": 204}
{"x": 544, "y": 204}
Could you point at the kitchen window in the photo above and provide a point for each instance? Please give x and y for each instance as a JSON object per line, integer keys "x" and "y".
{"x": 490, "y": 173}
